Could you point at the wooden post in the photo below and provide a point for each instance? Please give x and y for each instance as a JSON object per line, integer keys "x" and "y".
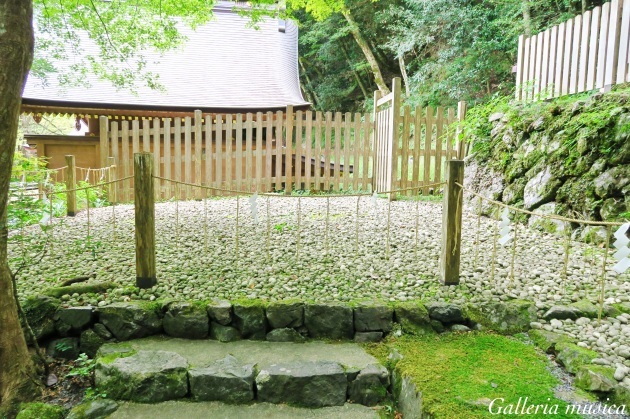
{"x": 462, "y": 145}
{"x": 104, "y": 140}
{"x": 452, "y": 223}
{"x": 395, "y": 125}
{"x": 288, "y": 167}
{"x": 111, "y": 176}
{"x": 145, "y": 220}
{"x": 71, "y": 184}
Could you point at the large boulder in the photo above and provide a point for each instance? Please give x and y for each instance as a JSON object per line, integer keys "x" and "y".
{"x": 186, "y": 320}
{"x": 413, "y": 317}
{"x": 504, "y": 317}
{"x": 597, "y": 378}
{"x": 40, "y": 314}
{"x": 370, "y": 317}
{"x": 285, "y": 335}
{"x": 329, "y": 321}
{"x": 220, "y": 311}
{"x": 370, "y": 386}
{"x": 445, "y": 312}
{"x": 540, "y": 189}
{"x": 310, "y": 384}
{"x": 285, "y": 314}
{"x": 146, "y": 376}
{"x": 226, "y": 380}
{"x": 573, "y": 357}
{"x": 562, "y": 313}
{"x": 130, "y": 320}
{"x": 546, "y": 340}
{"x": 224, "y": 333}
{"x": 612, "y": 181}
{"x": 90, "y": 342}
{"x": 250, "y": 320}
{"x": 93, "y": 409}
{"x": 73, "y": 320}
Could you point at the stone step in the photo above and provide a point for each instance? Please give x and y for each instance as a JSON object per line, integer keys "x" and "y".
{"x": 311, "y": 374}
{"x": 217, "y": 410}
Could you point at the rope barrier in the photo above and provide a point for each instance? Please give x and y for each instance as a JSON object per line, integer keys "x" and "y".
{"x": 547, "y": 216}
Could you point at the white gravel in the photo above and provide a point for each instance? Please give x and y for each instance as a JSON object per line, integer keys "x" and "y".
{"x": 197, "y": 262}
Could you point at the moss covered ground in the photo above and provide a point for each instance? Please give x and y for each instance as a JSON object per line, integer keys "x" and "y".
{"x": 460, "y": 374}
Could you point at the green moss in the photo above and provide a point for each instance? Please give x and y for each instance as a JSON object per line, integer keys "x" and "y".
{"x": 249, "y": 302}
{"x": 547, "y": 341}
{"x": 111, "y": 357}
{"x": 40, "y": 411}
{"x": 456, "y": 372}
{"x": 573, "y": 356}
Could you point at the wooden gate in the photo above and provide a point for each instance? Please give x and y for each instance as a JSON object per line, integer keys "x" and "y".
{"x": 411, "y": 147}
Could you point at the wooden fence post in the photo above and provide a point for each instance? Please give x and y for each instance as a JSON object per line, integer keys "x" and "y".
{"x": 71, "y": 184}
{"x": 452, "y": 223}
{"x": 103, "y": 140}
{"x": 144, "y": 204}
{"x": 462, "y": 144}
{"x": 112, "y": 176}
{"x": 288, "y": 166}
{"x": 395, "y": 133}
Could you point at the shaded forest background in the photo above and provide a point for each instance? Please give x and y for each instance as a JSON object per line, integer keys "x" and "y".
{"x": 444, "y": 50}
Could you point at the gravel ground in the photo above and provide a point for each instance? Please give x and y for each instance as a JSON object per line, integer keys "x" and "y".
{"x": 197, "y": 258}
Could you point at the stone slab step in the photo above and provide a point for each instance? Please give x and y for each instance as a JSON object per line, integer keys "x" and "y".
{"x": 311, "y": 374}
{"x": 217, "y": 410}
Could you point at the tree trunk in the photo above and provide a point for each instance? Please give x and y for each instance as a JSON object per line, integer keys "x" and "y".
{"x": 17, "y": 372}
{"x": 403, "y": 72}
{"x": 354, "y": 71}
{"x": 527, "y": 18}
{"x": 369, "y": 55}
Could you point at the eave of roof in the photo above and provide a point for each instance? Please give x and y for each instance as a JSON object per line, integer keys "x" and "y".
{"x": 225, "y": 66}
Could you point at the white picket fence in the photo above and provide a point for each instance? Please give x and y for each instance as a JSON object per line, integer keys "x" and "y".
{"x": 590, "y": 51}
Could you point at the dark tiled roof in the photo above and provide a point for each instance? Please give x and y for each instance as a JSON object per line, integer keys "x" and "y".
{"x": 223, "y": 65}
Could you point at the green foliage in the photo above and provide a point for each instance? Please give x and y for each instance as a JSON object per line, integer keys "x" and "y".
{"x": 40, "y": 411}
{"x": 82, "y": 367}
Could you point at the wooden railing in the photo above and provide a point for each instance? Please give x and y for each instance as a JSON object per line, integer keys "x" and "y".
{"x": 590, "y": 51}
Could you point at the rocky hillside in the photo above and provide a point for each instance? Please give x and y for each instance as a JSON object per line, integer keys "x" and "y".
{"x": 570, "y": 156}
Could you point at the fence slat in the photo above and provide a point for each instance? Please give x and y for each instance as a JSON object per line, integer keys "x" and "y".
{"x": 299, "y": 122}
{"x": 417, "y": 147}
{"x": 544, "y": 73}
{"x": 168, "y": 161}
{"x": 439, "y": 122}
{"x": 356, "y": 149}
{"x": 198, "y": 151}
{"x": 526, "y": 76}
{"x": 318, "y": 150}
{"x": 584, "y": 51}
{"x": 428, "y": 139}
{"x": 249, "y": 136}
{"x": 576, "y": 53}
{"x": 612, "y": 50}
{"x": 566, "y": 62}
{"x": 208, "y": 153}
{"x": 259, "y": 152}
{"x": 624, "y": 41}
{"x": 551, "y": 73}
{"x": 218, "y": 153}
{"x": 124, "y": 163}
{"x": 238, "y": 162}
{"x": 177, "y": 134}
{"x": 338, "y": 127}
{"x": 229, "y": 141}
{"x": 146, "y": 135}
{"x": 559, "y": 60}
{"x": 368, "y": 154}
{"x": 538, "y": 69}
{"x": 347, "y": 146}
{"x": 187, "y": 154}
{"x": 519, "y": 66}
{"x": 269, "y": 152}
{"x": 278, "y": 144}
{"x": 288, "y": 170}
{"x": 156, "y": 156}
{"x": 327, "y": 150}
{"x": 593, "y": 49}
{"x": 308, "y": 142}
{"x": 532, "y": 67}
{"x": 602, "y": 46}
{"x": 404, "y": 152}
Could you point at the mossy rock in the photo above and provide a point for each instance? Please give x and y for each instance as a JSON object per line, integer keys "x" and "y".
{"x": 93, "y": 409}
{"x": 40, "y": 411}
{"x": 573, "y": 357}
{"x": 504, "y": 317}
{"x": 413, "y": 317}
{"x": 546, "y": 340}
{"x": 621, "y": 396}
{"x": 598, "y": 378}
{"x": 40, "y": 313}
{"x": 145, "y": 377}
